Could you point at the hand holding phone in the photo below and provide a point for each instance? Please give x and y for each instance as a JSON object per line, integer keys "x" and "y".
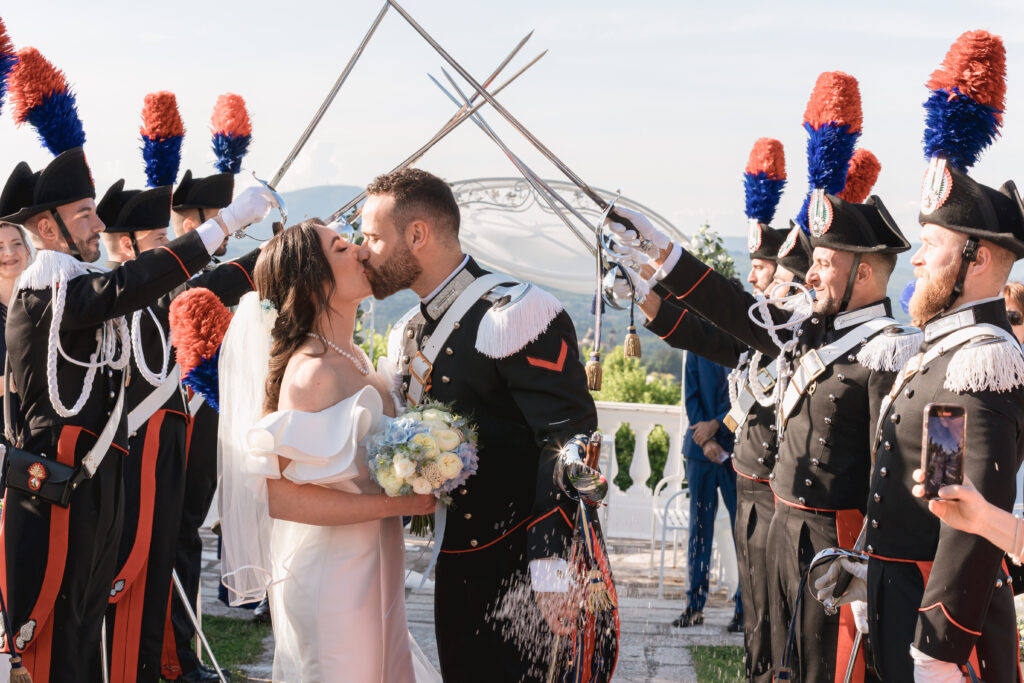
{"x": 943, "y": 446}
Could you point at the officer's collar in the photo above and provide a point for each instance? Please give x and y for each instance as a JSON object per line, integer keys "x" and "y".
{"x": 440, "y": 300}
{"x": 991, "y": 310}
{"x": 862, "y": 315}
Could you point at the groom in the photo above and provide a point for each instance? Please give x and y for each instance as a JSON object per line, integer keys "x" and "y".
{"x": 509, "y": 360}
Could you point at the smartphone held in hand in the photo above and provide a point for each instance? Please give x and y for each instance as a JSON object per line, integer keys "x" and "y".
{"x": 942, "y": 450}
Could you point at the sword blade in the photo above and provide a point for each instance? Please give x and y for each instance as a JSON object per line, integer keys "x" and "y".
{"x": 329, "y": 99}
{"x": 539, "y": 186}
{"x": 180, "y": 589}
{"x": 447, "y": 128}
{"x": 489, "y": 98}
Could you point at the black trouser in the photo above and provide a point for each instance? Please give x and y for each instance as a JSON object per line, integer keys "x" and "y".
{"x": 154, "y": 483}
{"x": 200, "y": 486}
{"x": 474, "y": 643}
{"x": 895, "y": 590}
{"x": 755, "y": 505}
{"x": 823, "y": 642}
{"x": 65, "y": 642}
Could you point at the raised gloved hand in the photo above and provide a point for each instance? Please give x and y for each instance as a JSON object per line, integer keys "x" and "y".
{"x": 634, "y": 231}
{"x": 857, "y": 590}
{"x": 618, "y": 282}
{"x": 251, "y": 206}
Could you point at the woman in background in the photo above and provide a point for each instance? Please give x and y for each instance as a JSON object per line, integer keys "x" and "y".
{"x": 1013, "y": 293}
{"x": 14, "y": 258}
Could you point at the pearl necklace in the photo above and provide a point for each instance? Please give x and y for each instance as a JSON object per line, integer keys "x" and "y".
{"x": 358, "y": 362}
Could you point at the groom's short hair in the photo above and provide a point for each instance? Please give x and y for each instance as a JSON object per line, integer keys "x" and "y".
{"x": 419, "y": 194}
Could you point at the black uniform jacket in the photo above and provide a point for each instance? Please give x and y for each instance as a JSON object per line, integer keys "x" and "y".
{"x": 824, "y": 457}
{"x": 965, "y": 567}
{"x": 526, "y": 405}
{"x": 681, "y": 328}
{"x": 92, "y": 298}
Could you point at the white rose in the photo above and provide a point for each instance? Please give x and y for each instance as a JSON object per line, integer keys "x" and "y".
{"x": 413, "y": 415}
{"x": 432, "y": 414}
{"x": 434, "y": 424}
{"x": 404, "y": 467}
{"x": 451, "y": 465}
{"x": 421, "y": 485}
{"x": 447, "y": 439}
{"x": 389, "y": 481}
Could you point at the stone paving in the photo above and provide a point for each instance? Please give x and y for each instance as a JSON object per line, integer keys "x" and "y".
{"x": 651, "y": 650}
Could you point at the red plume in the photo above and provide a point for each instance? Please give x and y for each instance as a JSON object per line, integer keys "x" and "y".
{"x": 863, "y": 173}
{"x": 6, "y": 46}
{"x": 34, "y": 78}
{"x": 160, "y": 116}
{"x": 835, "y": 99}
{"x": 230, "y": 116}
{"x": 768, "y": 157}
{"x": 199, "y": 321}
{"x": 976, "y": 66}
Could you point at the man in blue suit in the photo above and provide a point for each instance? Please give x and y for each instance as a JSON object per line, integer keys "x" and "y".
{"x": 707, "y": 448}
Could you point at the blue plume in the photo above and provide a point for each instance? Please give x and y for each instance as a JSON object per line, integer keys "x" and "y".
{"x": 763, "y": 195}
{"x": 56, "y": 120}
{"x": 230, "y": 149}
{"x": 203, "y": 379}
{"x": 162, "y": 159}
{"x": 958, "y": 129}
{"x": 906, "y": 295}
{"x": 7, "y": 62}
{"x": 829, "y": 150}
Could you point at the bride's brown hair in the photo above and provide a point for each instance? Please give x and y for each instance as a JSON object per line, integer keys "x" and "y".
{"x": 292, "y": 272}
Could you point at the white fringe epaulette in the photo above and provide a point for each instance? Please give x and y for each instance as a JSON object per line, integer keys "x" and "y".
{"x": 890, "y": 349}
{"x": 49, "y": 266}
{"x": 505, "y": 329}
{"x": 985, "y": 364}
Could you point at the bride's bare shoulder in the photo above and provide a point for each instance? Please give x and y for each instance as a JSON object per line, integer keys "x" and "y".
{"x": 310, "y": 383}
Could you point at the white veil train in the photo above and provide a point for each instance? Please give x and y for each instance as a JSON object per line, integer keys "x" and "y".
{"x": 245, "y": 518}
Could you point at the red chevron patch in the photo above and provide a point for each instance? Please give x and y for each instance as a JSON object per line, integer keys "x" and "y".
{"x": 548, "y": 365}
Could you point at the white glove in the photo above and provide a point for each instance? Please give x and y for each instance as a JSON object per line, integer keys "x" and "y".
{"x": 645, "y": 238}
{"x": 251, "y": 206}
{"x": 857, "y": 589}
{"x": 860, "y": 615}
{"x": 930, "y": 670}
{"x": 618, "y": 281}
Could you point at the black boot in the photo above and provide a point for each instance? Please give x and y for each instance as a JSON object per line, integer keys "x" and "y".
{"x": 204, "y": 674}
{"x": 736, "y": 625}
{"x": 262, "y": 611}
{"x": 690, "y": 617}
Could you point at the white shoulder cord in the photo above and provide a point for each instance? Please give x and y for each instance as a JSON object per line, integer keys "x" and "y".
{"x": 763, "y": 319}
{"x": 735, "y": 378}
{"x": 106, "y": 350}
{"x": 140, "y": 358}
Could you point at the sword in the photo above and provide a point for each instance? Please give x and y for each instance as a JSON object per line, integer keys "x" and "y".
{"x": 489, "y": 98}
{"x": 850, "y": 665}
{"x": 103, "y": 650}
{"x": 543, "y": 190}
{"x": 328, "y": 100}
{"x": 447, "y": 128}
{"x": 195, "y": 623}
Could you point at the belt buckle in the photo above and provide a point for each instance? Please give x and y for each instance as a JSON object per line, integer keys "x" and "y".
{"x": 765, "y": 379}
{"x": 730, "y": 423}
{"x": 425, "y": 379}
{"x": 812, "y": 365}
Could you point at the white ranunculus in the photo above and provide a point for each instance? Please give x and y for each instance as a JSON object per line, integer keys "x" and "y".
{"x": 404, "y": 467}
{"x": 421, "y": 485}
{"x": 447, "y": 439}
{"x": 451, "y": 465}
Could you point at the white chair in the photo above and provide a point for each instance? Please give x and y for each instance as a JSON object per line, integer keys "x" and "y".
{"x": 674, "y": 516}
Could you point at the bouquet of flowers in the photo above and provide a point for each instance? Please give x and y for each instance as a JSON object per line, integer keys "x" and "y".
{"x": 425, "y": 450}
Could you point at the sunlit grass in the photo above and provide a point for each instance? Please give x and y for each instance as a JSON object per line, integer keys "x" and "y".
{"x": 718, "y": 663}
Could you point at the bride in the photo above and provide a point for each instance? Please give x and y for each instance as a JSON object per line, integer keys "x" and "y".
{"x": 301, "y": 517}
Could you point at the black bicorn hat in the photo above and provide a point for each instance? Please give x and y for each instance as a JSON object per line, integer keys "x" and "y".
{"x": 65, "y": 180}
{"x": 763, "y": 242}
{"x": 952, "y": 199}
{"x": 124, "y": 210}
{"x": 795, "y": 252}
{"x": 866, "y": 228}
{"x": 209, "y": 192}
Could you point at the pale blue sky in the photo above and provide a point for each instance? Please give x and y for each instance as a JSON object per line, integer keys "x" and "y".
{"x": 660, "y": 99}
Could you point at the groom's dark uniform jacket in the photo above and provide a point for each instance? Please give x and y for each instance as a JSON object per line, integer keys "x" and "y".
{"x": 513, "y": 366}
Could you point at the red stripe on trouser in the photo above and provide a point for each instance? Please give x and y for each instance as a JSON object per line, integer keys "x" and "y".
{"x": 848, "y": 525}
{"x": 170, "y": 667}
{"x": 124, "y": 658}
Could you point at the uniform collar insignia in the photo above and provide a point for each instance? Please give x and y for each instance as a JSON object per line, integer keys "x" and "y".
{"x": 437, "y": 305}
{"x": 861, "y": 315}
{"x": 948, "y": 324}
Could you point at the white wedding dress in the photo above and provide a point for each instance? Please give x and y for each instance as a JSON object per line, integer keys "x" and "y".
{"x": 337, "y": 593}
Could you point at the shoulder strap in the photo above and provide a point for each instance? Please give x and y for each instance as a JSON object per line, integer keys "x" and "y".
{"x": 154, "y": 400}
{"x": 816, "y": 361}
{"x": 745, "y": 400}
{"x": 422, "y": 365}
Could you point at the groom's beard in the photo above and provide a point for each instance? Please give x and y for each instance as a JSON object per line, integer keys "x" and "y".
{"x": 932, "y": 293}
{"x": 396, "y": 273}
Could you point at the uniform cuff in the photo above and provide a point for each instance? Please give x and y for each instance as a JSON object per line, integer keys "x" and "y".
{"x": 549, "y": 575}
{"x": 212, "y": 235}
{"x": 669, "y": 264}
